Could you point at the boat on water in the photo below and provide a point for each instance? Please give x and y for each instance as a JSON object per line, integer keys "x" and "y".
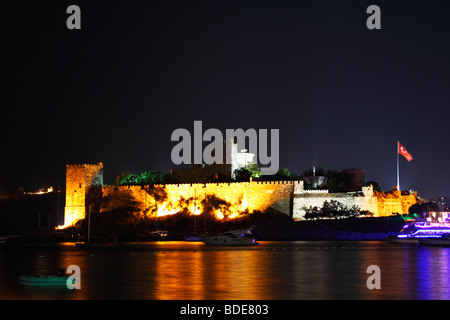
{"x": 443, "y": 241}
{"x": 412, "y": 233}
{"x": 232, "y": 238}
{"x": 195, "y": 237}
{"x": 60, "y": 279}
{"x": 43, "y": 280}
{"x": 157, "y": 235}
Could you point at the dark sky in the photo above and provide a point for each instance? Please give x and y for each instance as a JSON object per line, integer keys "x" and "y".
{"x": 114, "y": 91}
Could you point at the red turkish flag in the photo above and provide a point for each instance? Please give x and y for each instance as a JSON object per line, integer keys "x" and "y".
{"x": 403, "y": 152}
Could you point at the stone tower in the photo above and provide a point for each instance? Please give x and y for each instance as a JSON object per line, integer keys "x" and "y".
{"x": 79, "y": 178}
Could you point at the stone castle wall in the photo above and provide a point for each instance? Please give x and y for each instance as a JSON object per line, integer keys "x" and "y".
{"x": 288, "y": 197}
{"x": 381, "y": 204}
{"x": 253, "y": 195}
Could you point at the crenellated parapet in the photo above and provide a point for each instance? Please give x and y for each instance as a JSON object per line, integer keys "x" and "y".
{"x": 213, "y": 184}
{"x": 84, "y": 165}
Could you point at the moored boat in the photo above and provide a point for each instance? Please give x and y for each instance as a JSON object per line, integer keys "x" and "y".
{"x": 194, "y": 237}
{"x": 158, "y": 235}
{"x": 43, "y": 280}
{"x": 232, "y": 238}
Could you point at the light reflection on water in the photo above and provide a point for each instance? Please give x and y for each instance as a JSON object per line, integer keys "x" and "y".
{"x": 274, "y": 270}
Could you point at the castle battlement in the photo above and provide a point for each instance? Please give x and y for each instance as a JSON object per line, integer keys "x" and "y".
{"x": 84, "y": 165}
{"x": 319, "y": 191}
{"x": 214, "y": 184}
{"x": 202, "y": 184}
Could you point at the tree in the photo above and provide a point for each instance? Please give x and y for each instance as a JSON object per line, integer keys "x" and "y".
{"x": 255, "y": 171}
{"x": 148, "y": 177}
{"x": 151, "y": 177}
{"x": 376, "y": 186}
{"x": 282, "y": 175}
{"x": 242, "y": 174}
{"x": 245, "y": 173}
{"x": 127, "y": 178}
{"x": 312, "y": 213}
{"x": 333, "y": 209}
{"x": 423, "y": 208}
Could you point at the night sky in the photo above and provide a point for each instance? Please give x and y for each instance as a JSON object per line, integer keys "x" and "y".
{"x": 114, "y": 91}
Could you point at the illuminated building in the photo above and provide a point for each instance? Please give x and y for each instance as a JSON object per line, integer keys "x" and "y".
{"x": 288, "y": 197}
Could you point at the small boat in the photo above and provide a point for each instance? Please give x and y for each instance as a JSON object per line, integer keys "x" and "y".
{"x": 443, "y": 241}
{"x": 195, "y": 237}
{"x": 232, "y": 238}
{"x": 158, "y": 235}
{"x": 44, "y": 280}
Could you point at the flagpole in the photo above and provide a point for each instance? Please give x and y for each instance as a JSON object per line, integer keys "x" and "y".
{"x": 398, "y": 174}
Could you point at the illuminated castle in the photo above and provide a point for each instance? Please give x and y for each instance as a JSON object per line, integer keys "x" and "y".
{"x": 288, "y": 197}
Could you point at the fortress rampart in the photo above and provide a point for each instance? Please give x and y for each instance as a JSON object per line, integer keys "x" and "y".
{"x": 250, "y": 196}
{"x": 288, "y": 197}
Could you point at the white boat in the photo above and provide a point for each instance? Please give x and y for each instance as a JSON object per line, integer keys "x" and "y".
{"x": 232, "y": 238}
{"x": 443, "y": 241}
{"x": 412, "y": 233}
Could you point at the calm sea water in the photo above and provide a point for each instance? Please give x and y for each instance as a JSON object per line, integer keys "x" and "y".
{"x": 273, "y": 270}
